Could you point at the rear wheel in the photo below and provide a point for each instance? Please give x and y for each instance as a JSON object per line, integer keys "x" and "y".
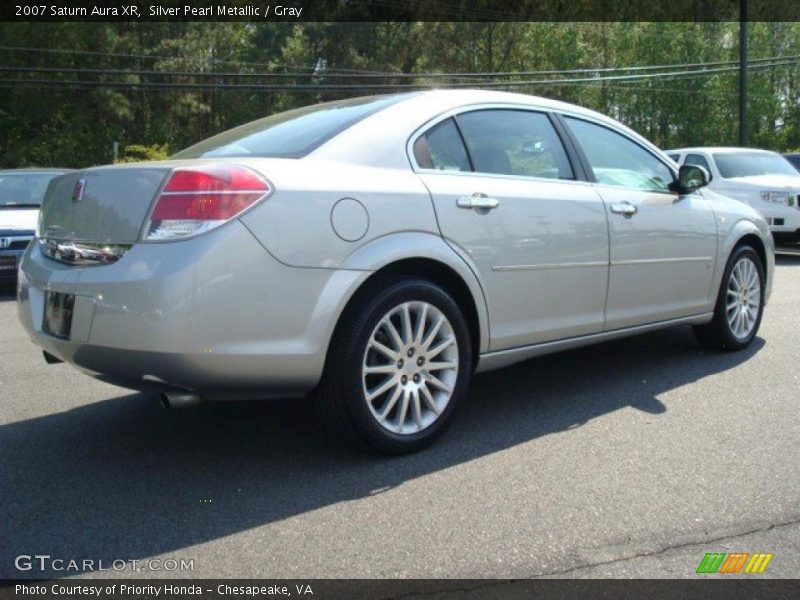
{"x": 399, "y": 365}
{"x": 740, "y": 303}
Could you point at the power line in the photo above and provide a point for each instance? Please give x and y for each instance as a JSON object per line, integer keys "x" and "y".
{"x": 355, "y": 73}
{"x": 159, "y": 57}
{"x": 429, "y": 75}
{"x": 377, "y": 87}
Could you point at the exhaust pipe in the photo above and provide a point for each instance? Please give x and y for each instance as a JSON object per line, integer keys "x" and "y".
{"x": 179, "y": 399}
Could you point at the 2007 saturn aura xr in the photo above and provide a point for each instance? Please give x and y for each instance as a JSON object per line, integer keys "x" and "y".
{"x": 377, "y": 251}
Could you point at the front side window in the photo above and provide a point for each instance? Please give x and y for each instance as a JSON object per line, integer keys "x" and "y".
{"x": 698, "y": 160}
{"x": 441, "y": 148}
{"x": 617, "y": 160}
{"x": 514, "y": 142}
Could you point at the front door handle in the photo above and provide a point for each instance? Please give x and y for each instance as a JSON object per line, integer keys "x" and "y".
{"x": 479, "y": 201}
{"x": 625, "y": 209}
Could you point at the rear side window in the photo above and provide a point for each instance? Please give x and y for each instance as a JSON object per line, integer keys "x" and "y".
{"x": 291, "y": 134}
{"x": 441, "y": 148}
{"x": 698, "y": 160}
{"x": 514, "y": 142}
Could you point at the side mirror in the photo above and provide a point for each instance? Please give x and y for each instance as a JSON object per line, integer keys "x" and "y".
{"x": 690, "y": 178}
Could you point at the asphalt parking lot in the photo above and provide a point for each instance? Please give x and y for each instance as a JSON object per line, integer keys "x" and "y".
{"x": 632, "y": 458}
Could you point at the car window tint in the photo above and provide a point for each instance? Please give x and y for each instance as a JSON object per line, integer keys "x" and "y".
{"x": 514, "y": 142}
{"x": 747, "y": 164}
{"x": 617, "y": 160}
{"x": 24, "y": 189}
{"x": 675, "y": 157}
{"x": 290, "y": 134}
{"x": 441, "y": 148}
{"x": 698, "y": 160}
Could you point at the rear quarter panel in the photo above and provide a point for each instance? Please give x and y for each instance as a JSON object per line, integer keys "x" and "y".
{"x": 295, "y": 224}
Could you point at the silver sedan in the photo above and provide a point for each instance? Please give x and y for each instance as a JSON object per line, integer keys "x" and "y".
{"x": 377, "y": 251}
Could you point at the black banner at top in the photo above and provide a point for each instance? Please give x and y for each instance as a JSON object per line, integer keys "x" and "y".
{"x": 265, "y": 11}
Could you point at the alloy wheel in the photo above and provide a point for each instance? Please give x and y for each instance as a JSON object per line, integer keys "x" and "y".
{"x": 410, "y": 367}
{"x": 743, "y": 299}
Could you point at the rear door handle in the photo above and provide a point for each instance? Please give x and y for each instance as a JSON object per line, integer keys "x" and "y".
{"x": 625, "y": 209}
{"x": 480, "y": 201}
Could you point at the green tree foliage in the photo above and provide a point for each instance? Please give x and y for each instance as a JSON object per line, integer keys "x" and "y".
{"x": 79, "y": 108}
{"x": 139, "y": 152}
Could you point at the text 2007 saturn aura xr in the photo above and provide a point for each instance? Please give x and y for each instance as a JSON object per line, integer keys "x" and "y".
{"x": 378, "y": 251}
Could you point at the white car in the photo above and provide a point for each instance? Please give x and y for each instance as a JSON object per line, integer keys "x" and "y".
{"x": 764, "y": 180}
{"x": 21, "y": 194}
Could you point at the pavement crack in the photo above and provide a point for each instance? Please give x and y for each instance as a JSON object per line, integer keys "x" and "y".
{"x": 665, "y": 549}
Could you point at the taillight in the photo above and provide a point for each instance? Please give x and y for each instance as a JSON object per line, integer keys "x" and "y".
{"x": 198, "y": 199}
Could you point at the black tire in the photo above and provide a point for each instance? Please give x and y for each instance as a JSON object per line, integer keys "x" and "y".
{"x": 718, "y": 334}
{"x": 341, "y": 397}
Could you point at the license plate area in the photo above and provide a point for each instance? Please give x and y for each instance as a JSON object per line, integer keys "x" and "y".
{"x": 8, "y": 264}
{"x": 58, "y": 309}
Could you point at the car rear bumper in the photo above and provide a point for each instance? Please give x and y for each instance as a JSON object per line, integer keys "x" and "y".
{"x": 216, "y": 315}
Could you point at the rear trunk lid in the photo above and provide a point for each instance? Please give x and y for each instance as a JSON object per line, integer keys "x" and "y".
{"x": 102, "y": 204}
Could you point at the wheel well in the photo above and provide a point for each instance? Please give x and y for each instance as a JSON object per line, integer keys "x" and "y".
{"x": 755, "y": 242}
{"x": 435, "y": 272}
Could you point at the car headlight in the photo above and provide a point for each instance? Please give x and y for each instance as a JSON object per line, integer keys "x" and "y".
{"x": 778, "y": 198}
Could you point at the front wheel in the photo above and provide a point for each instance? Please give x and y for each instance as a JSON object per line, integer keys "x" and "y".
{"x": 398, "y": 367}
{"x": 740, "y": 303}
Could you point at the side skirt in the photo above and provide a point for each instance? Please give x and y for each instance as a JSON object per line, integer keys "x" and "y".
{"x": 504, "y": 358}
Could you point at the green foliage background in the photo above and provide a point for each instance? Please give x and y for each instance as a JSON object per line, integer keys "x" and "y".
{"x": 74, "y": 126}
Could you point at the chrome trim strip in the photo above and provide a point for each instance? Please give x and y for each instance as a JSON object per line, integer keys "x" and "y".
{"x": 544, "y": 266}
{"x": 654, "y": 261}
{"x": 503, "y": 358}
{"x": 82, "y": 253}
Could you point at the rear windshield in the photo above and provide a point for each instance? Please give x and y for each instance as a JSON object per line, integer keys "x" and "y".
{"x": 746, "y": 164}
{"x": 290, "y": 134}
{"x": 23, "y": 189}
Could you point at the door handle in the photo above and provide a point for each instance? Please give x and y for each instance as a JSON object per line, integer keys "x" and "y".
{"x": 626, "y": 209}
{"x": 479, "y": 201}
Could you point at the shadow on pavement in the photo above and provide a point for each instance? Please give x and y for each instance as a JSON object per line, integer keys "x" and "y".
{"x": 8, "y": 291}
{"x": 784, "y": 260}
{"x": 123, "y": 478}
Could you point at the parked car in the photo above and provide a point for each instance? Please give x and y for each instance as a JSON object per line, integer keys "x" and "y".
{"x": 764, "y": 180}
{"x": 376, "y": 251}
{"x": 794, "y": 159}
{"x": 21, "y": 194}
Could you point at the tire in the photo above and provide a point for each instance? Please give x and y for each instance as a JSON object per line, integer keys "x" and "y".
{"x": 365, "y": 357}
{"x": 725, "y": 332}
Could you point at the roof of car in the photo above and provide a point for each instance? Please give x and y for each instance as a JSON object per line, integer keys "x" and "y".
{"x": 474, "y": 96}
{"x": 717, "y": 149}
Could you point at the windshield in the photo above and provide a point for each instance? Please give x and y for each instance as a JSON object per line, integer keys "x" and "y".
{"x": 291, "y": 134}
{"x": 23, "y": 189}
{"x": 746, "y": 164}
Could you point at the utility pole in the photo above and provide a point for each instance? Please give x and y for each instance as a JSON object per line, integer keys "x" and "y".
{"x": 743, "y": 72}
